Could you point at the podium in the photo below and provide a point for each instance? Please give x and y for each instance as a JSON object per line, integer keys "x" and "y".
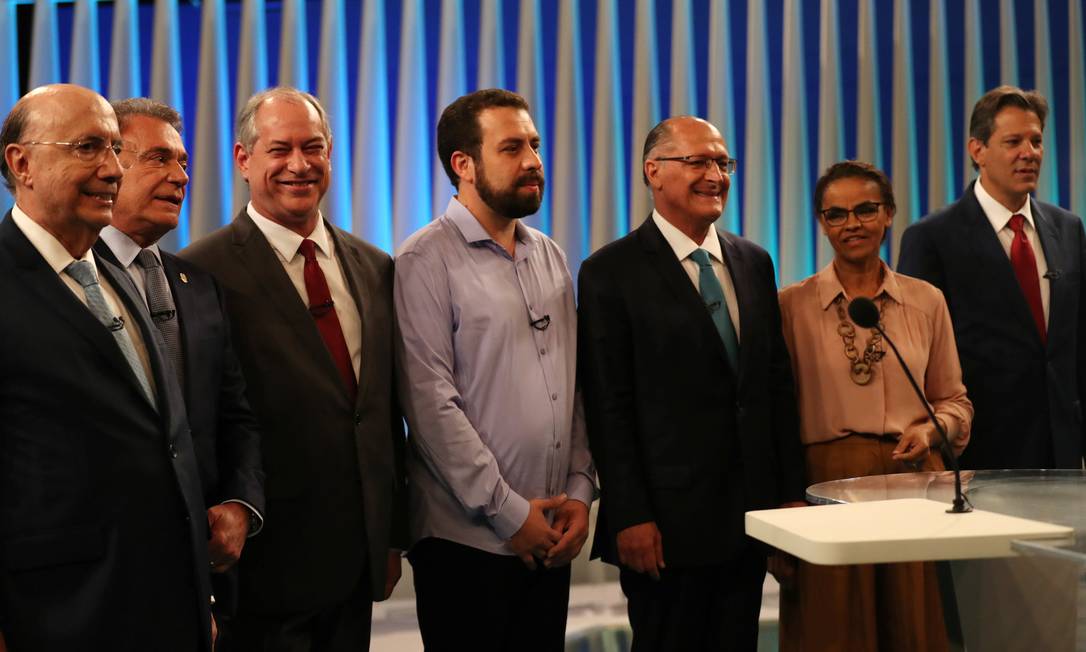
{"x": 1012, "y": 573}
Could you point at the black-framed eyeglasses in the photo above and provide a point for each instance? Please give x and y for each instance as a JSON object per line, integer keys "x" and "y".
{"x": 723, "y": 164}
{"x": 90, "y": 150}
{"x": 865, "y": 212}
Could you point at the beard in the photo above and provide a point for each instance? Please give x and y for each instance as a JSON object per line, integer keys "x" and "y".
{"x": 508, "y": 202}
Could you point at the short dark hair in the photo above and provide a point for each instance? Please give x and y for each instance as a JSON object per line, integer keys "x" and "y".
{"x": 982, "y": 120}
{"x": 145, "y": 106}
{"x": 12, "y": 132}
{"x": 458, "y": 128}
{"x": 854, "y": 170}
{"x": 657, "y": 134}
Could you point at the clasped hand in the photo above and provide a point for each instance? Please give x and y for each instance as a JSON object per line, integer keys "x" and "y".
{"x": 553, "y": 545}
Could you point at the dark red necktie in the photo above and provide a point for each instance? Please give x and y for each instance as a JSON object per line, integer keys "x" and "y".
{"x": 324, "y": 313}
{"x": 1025, "y": 268}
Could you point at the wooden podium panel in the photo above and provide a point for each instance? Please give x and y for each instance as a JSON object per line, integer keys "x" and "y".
{"x": 908, "y": 529}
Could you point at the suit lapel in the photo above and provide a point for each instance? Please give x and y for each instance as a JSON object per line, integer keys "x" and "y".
{"x": 185, "y": 304}
{"x": 1058, "y": 300}
{"x": 737, "y": 268}
{"x": 359, "y": 283}
{"x": 662, "y": 259}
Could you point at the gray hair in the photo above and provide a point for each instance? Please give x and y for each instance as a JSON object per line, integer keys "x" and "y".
{"x": 145, "y": 106}
{"x": 246, "y": 132}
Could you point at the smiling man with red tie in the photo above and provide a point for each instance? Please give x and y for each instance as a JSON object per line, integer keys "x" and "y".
{"x": 311, "y": 308}
{"x": 1011, "y": 268}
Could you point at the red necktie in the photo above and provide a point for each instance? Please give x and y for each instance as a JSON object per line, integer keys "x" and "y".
{"x": 1025, "y": 268}
{"x": 324, "y": 313}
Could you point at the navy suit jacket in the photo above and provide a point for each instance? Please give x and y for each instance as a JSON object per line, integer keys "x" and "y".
{"x": 224, "y": 430}
{"x": 678, "y": 437}
{"x": 103, "y": 537}
{"x": 1027, "y": 395}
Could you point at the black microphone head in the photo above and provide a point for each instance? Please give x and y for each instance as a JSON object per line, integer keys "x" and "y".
{"x": 864, "y": 312}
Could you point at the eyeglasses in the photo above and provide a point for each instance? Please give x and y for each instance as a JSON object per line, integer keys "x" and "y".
{"x": 723, "y": 164}
{"x": 865, "y": 212}
{"x": 89, "y": 150}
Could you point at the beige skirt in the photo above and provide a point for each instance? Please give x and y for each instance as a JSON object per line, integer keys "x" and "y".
{"x": 871, "y": 607}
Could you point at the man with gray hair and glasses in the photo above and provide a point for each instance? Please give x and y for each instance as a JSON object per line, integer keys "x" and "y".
{"x": 186, "y": 305}
{"x": 311, "y": 310}
{"x": 103, "y": 531}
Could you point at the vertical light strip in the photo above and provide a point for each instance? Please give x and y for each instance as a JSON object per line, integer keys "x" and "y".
{"x": 83, "y": 60}
{"x": 831, "y": 136}
{"x": 941, "y": 145}
{"x": 166, "y": 88}
{"x": 974, "y": 77}
{"x": 1076, "y": 91}
{"x": 608, "y": 215}
{"x": 125, "y": 56}
{"x": 530, "y": 85}
{"x": 684, "y": 89}
{"x": 904, "y": 175}
{"x": 9, "y": 74}
{"x": 646, "y": 104}
{"x": 294, "y": 45}
{"x": 1008, "y": 42}
{"x": 1048, "y": 183}
{"x": 491, "y": 45}
{"x": 451, "y": 84}
{"x": 570, "y": 193}
{"x": 411, "y": 169}
{"x": 333, "y": 93}
{"x": 868, "y": 102}
{"x": 722, "y": 102}
{"x": 759, "y": 165}
{"x": 44, "y": 60}
{"x": 372, "y": 149}
{"x": 211, "y": 157}
{"x": 252, "y": 75}
{"x": 797, "y": 233}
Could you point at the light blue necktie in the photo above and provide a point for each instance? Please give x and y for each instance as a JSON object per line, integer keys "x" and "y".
{"x": 713, "y": 296}
{"x": 83, "y": 274}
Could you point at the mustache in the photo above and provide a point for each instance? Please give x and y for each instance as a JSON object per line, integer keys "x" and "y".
{"x": 530, "y": 178}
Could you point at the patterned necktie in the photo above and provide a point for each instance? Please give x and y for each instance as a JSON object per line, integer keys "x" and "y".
{"x": 163, "y": 311}
{"x": 83, "y": 274}
{"x": 323, "y": 310}
{"x": 1025, "y": 268}
{"x": 713, "y": 296}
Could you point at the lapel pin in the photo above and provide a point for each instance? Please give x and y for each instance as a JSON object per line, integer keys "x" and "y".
{"x": 184, "y": 279}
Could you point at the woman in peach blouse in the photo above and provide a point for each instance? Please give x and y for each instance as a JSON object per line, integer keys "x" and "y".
{"x": 859, "y": 415}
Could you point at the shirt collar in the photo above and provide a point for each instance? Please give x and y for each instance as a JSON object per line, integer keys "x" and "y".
{"x": 124, "y": 247}
{"x": 829, "y": 286}
{"x": 286, "y": 242}
{"x": 474, "y": 232}
{"x": 681, "y": 243}
{"x": 54, "y": 253}
{"x": 997, "y": 213}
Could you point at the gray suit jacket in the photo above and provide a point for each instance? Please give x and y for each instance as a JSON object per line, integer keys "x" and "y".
{"x": 335, "y": 484}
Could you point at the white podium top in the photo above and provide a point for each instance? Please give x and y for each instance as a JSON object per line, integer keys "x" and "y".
{"x": 910, "y": 529}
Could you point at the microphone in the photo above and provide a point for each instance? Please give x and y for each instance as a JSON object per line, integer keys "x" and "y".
{"x": 865, "y": 314}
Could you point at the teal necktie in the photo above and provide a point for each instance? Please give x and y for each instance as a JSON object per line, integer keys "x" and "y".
{"x": 713, "y": 296}
{"x": 83, "y": 274}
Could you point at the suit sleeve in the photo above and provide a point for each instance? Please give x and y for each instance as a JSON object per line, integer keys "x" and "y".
{"x": 440, "y": 432}
{"x": 241, "y": 468}
{"x": 918, "y": 257}
{"x": 605, "y": 365}
{"x": 791, "y": 483}
{"x": 1080, "y": 234}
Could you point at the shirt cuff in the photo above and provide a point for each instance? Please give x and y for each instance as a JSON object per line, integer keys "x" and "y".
{"x": 580, "y": 488}
{"x": 511, "y": 516}
{"x": 259, "y": 518}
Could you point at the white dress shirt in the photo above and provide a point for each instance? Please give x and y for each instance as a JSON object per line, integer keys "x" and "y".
{"x": 683, "y": 246}
{"x": 58, "y": 258}
{"x": 285, "y": 243}
{"x": 1000, "y": 217}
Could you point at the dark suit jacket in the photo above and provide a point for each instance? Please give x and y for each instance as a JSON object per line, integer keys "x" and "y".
{"x": 335, "y": 483}
{"x": 677, "y": 436}
{"x": 104, "y": 538}
{"x": 1027, "y": 396}
{"x": 224, "y": 430}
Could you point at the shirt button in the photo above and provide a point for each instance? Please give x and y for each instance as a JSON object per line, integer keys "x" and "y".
{"x": 542, "y": 351}
{"x": 558, "y": 444}
{"x": 554, "y": 397}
